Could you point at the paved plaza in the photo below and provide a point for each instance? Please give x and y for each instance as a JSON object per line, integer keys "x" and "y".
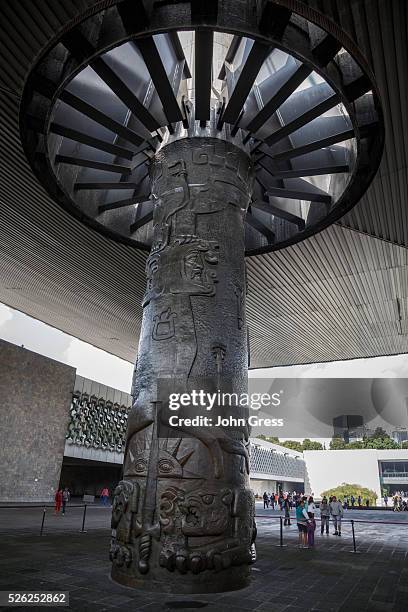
{"x": 328, "y": 578}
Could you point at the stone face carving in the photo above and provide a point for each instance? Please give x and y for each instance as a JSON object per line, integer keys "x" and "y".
{"x": 185, "y": 505}
{"x": 185, "y": 267}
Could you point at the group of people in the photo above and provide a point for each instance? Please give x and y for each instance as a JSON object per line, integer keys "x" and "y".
{"x": 330, "y": 509}
{"x": 306, "y": 523}
{"x": 355, "y": 502}
{"x": 62, "y": 497}
{"x": 276, "y": 499}
{"x": 399, "y": 504}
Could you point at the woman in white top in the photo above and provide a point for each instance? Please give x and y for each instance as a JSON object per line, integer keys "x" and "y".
{"x": 311, "y": 506}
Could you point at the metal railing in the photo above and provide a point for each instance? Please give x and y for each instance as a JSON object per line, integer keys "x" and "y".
{"x": 343, "y": 521}
{"x": 52, "y": 507}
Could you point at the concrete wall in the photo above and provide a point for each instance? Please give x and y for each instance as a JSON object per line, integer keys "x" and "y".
{"x": 259, "y": 485}
{"x": 328, "y": 469}
{"x": 34, "y": 412}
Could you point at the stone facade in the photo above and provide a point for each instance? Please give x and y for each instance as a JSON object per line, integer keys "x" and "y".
{"x": 36, "y": 397}
{"x": 98, "y": 421}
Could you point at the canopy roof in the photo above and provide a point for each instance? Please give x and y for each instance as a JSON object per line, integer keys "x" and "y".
{"x": 340, "y": 294}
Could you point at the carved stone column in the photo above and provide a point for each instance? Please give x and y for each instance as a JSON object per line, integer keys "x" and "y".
{"x": 184, "y": 505}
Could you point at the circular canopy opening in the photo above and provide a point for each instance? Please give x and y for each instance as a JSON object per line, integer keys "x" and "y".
{"x": 311, "y": 128}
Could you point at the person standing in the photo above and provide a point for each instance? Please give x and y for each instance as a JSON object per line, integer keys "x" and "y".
{"x": 265, "y": 500}
{"x": 58, "y": 501}
{"x": 302, "y": 520}
{"x": 66, "y": 496}
{"x": 105, "y": 496}
{"x": 324, "y": 516}
{"x": 386, "y": 500}
{"x": 311, "y": 507}
{"x": 359, "y": 500}
{"x": 311, "y": 526}
{"x": 286, "y": 507}
{"x": 336, "y": 511}
{"x": 345, "y": 503}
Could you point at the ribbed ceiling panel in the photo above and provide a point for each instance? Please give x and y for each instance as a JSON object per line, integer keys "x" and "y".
{"x": 339, "y": 295}
{"x": 380, "y": 28}
{"x": 54, "y": 268}
{"x": 26, "y": 26}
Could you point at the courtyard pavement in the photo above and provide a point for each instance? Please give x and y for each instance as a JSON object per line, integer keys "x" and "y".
{"x": 327, "y": 578}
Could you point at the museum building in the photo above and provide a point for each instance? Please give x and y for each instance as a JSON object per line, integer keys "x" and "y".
{"x": 75, "y": 433}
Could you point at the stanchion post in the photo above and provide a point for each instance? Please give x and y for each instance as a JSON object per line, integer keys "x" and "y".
{"x": 281, "y": 544}
{"x": 83, "y": 520}
{"x": 42, "y": 522}
{"x": 354, "y": 551}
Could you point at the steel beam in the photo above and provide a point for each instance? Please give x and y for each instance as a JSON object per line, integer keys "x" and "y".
{"x": 100, "y": 117}
{"x": 100, "y": 186}
{"x": 259, "y": 226}
{"x": 257, "y": 55}
{"x": 142, "y": 221}
{"x": 229, "y": 58}
{"x": 279, "y": 212}
{"x": 119, "y": 87}
{"x": 301, "y": 172}
{"x": 326, "y": 49}
{"x": 89, "y": 163}
{"x": 90, "y": 141}
{"x": 123, "y": 203}
{"x": 203, "y": 73}
{"x": 279, "y": 98}
{"x": 154, "y": 64}
{"x": 314, "y": 146}
{"x": 178, "y": 50}
{"x": 296, "y": 194}
{"x": 303, "y": 119}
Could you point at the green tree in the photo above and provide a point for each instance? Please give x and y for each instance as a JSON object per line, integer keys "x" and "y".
{"x": 337, "y": 444}
{"x": 356, "y": 444}
{"x": 347, "y": 490}
{"x": 271, "y": 439}
{"x": 311, "y": 445}
{"x": 293, "y": 445}
{"x": 404, "y": 444}
{"x": 379, "y": 434}
{"x": 380, "y": 443}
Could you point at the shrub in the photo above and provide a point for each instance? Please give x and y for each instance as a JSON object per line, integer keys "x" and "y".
{"x": 347, "y": 490}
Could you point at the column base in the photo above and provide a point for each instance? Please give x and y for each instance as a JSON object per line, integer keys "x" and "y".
{"x": 231, "y": 579}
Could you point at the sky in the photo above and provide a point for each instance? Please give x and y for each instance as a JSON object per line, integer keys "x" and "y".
{"x": 89, "y": 361}
{"x": 107, "y": 369}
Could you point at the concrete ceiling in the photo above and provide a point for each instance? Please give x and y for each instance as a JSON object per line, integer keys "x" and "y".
{"x": 341, "y": 294}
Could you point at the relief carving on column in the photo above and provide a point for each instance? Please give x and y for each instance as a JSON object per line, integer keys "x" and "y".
{"x": 184, "y": 505}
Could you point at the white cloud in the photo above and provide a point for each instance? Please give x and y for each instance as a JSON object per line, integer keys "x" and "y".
{"x": 5, "y": 314}
{"x": 89, "y": 361}
{"x": 98, "y": 365}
